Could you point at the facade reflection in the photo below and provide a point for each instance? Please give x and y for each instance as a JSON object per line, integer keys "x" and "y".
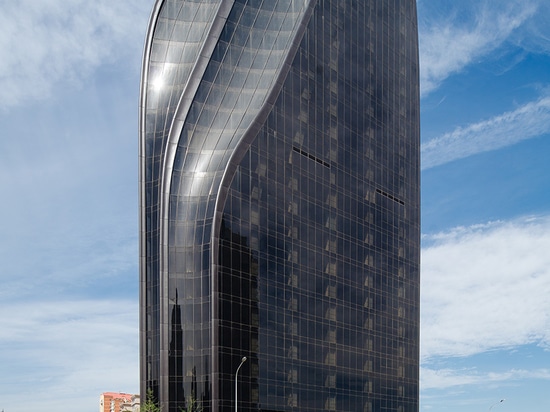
{"x": 279, "y": 177}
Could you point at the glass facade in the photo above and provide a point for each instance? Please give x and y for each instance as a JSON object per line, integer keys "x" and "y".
{"x": 279, "y": 176}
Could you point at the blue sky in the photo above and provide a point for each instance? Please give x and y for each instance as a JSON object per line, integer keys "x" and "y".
{"x": 69, "y": 75}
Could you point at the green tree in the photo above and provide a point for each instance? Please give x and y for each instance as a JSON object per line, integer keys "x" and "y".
{"x": 191, "y": 405}
{"x": 151, "y": 404}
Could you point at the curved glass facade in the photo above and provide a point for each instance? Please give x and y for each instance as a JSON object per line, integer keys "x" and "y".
{"x": 279, "y": 175}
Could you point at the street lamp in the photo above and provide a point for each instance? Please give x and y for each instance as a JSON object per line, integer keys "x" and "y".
{"x": 243, "y": 360}
{"x": 494, "y": 404}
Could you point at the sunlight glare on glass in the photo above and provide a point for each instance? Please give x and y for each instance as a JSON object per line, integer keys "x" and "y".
{"x": 158, "y": 83}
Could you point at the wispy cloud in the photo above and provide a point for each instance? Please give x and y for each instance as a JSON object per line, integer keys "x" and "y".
{"x": 486, "y": 287}
{"x": 535, "y": 36}
{"x": 60, "y": 252}
{"x": 451, "y": 42}
{"x": 72, "y": 207}
{"x": 525, "y": 122}
{"x": 65, "y": 350}
{"x": 447, "y": 378}
{"x": 51, "y": 43}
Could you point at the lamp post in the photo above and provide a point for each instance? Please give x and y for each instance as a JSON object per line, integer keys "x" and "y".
{"x": 243, "y": 360}
{"x": 494, "y": 404}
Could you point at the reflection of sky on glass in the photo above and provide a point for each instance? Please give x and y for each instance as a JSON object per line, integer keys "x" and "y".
{"x": 68, "y": 167}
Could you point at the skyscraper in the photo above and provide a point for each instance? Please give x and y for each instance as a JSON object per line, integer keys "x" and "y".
{"x": 279, "y": 177}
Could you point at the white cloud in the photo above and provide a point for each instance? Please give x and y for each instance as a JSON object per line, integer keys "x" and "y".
{"x": 51, "y": 44}
{"x": 65, "y": 350}
{"x": 62, "y": 258}
{"x": 486, "y": 287}
{"x": 535, "y": 36}
{"x": 525, "y": 122}
{"x": 447, "y": 378}
{"x": 69, "y": 226}
{"x": 450, "y": 43}
{"x": 70, "y": 174}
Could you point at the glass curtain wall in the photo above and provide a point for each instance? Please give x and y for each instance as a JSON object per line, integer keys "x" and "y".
{"x": 280, "y": 206}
